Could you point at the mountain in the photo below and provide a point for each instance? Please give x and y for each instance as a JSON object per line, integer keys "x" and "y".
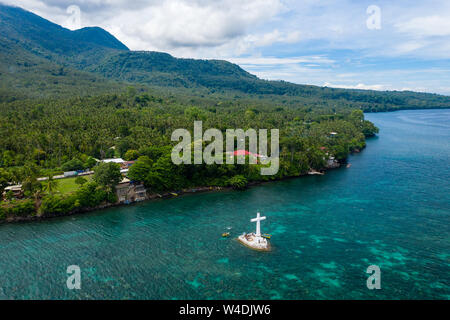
{"x": 39, "y": 58}
{"x": 99, "y": 37}
{"x": 162, "y": 69}
{"x": 44, "y": 37}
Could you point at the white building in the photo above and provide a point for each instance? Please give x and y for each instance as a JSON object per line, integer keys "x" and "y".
{"x": 114, "y": 160}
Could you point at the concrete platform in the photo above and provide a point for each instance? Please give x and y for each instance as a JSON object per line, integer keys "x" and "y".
{"x": 254, "y": 242}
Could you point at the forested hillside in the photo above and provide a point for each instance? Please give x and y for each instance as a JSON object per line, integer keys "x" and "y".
{"x": 41, "y": 59}
{"x": 46, "y": 137}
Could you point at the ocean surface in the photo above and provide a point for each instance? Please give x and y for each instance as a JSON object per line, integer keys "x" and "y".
{"x": 391, "y": 208}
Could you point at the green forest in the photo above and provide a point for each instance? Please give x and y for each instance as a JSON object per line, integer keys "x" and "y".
{"x": 42, "y": 138}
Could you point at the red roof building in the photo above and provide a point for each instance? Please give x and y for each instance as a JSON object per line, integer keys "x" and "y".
{"x": 246, "y": 153}
{"x": 126, "y": 164}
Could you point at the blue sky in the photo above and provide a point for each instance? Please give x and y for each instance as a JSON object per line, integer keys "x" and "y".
{"x": 381, "y": 45}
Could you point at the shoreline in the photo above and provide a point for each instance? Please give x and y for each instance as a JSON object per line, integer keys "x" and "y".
{"x": 157, "y": 196}
{"x": 409, "y": 109}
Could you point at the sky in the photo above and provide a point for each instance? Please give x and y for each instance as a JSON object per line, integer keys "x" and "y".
{"x": 375, "y": 44}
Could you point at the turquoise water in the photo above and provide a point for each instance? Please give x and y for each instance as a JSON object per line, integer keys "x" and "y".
{"x": 391, "y": 208}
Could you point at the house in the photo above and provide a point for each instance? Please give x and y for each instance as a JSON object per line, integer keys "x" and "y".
{"x": 333, "y": 134}
{"x": 128, "y": 191}
{"x": 114, "y": 160}
{"x": 126, "y": 164}
{"x": 15, "y": 190}
{"x": 246, "y": 153}
{"x": 332, "y": 163}
{"x": 122, "y": 190}
{"x": 70, "y": 174}
{"x": 141, "y": 192}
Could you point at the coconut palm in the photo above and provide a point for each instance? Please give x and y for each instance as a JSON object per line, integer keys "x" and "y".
{"x": 50, "y": 185}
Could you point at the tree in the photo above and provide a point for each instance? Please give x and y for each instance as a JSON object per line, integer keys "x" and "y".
{"x": 131, "y": 155}
{"x": 123, "y": 145}
{"x": 155, "y": 152}
{"x": 50, "y": 185}
{"x": 340, "y": 151}
{"x": 292, "y": 144}
{"x": 110, "y": 153}
{"x": 5, "y": 177}
{"x": 140, "y": 169}
{"x": 73, "y": 165}
{"x": 37, "y": 193}
{"x": 250, "y": 114}
{"x": 124, "y": 131}
{"x": 195, "y": 113}
{"x": 369, "y": 129}
{"x": 9, "y": 195}
{"x": 108, "y": 175}
{"x": 58, "y": 204}
{"x": 238, "y": 182}
{"x": 91, "y": 195}
{"x": 165, "y": 175}
{"x": 357, "y": 116}
{"x": 316, "y": 158}
{"x": 7, "y": 158}
{"x": 29, "y": 183}
{"x": 89, "y": 163}
{"x": 80, "y": 180}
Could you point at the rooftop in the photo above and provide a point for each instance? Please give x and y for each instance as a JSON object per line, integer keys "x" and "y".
{"x": 245, "y": 153}
{"x": 115, "y": 160}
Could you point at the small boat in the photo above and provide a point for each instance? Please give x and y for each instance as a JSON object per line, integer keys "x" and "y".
{"x": 314, "y": 172}
{"x": 174, "y": 194}
{"x": 267, "y": 236}
{"x": 225, "y": 234}
{"x": 349, "y": 165}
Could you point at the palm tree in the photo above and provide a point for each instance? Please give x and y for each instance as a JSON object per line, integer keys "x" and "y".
{"x": 50, "y": 185}
{"x": 37, "y": 197}
{"x": 29, "y": 185}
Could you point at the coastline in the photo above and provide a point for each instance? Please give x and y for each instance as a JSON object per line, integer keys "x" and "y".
{"x": 409, "y": 109}
{"x": 156, "y": 196}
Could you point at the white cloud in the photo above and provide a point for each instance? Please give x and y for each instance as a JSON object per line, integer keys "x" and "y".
{"x": 408, "y": 47}
{"x": 272, "y": 61}
{"x": 176, "y": 23}
{"x": 357, "y": 86}
{"x": 435, "y": 25}
{"x": 272, "y": 37}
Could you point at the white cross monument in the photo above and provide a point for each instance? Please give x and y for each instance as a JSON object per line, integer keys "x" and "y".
{"x": 255, "y": 240}
{"x": 258, "y": 220}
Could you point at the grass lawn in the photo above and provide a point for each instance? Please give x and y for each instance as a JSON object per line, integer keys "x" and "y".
{"x": 68, "y": 185}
